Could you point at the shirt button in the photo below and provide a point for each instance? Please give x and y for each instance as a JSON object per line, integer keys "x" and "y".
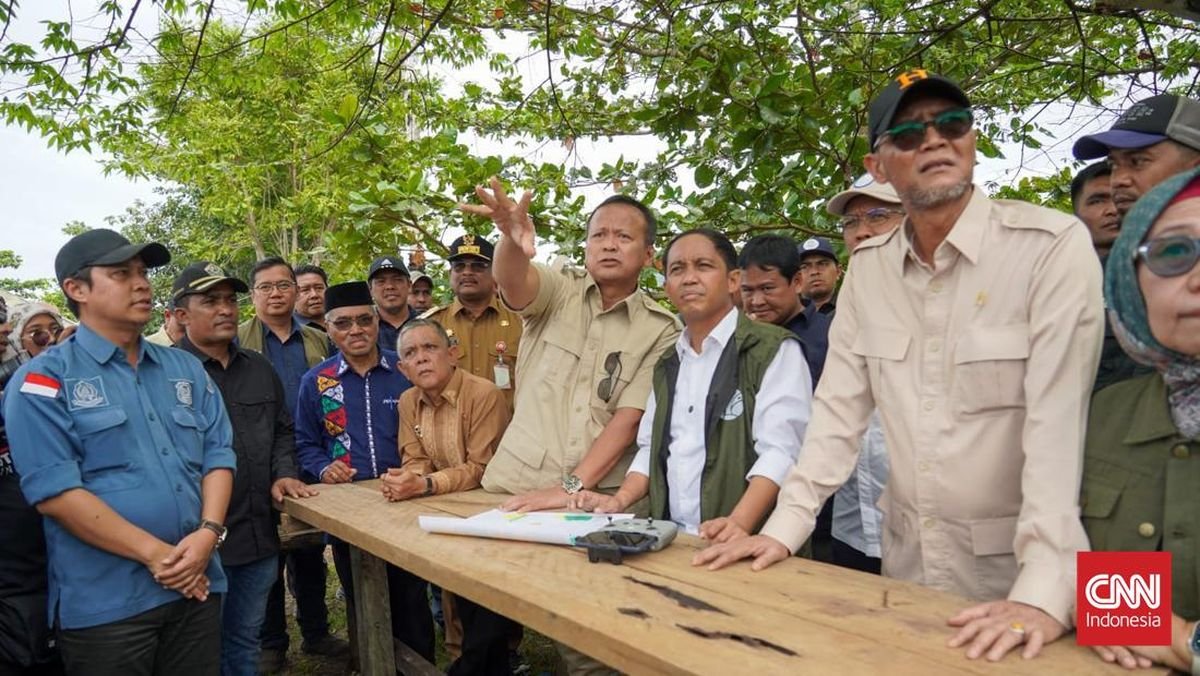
{"x": 928, "y": 406}
{"x": 927, "y": 523}
{"x": 1180, "y": 451}
{"x": 923, "y": 466}
{"x": 935, "y": 347}
{"x": 164, "y": 451}
{"x": 178, "y": 488}
{"x": 935, "y": 287}
{"x": 1146, "y": 530}
{"x": 151, "y": 416}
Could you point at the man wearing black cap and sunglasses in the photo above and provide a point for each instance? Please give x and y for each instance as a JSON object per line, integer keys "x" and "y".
{"x": 126, "y": 448}
{"x": 975, "y": 328}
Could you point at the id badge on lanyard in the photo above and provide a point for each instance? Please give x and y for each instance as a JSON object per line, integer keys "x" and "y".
{"x": 502, "y": 374}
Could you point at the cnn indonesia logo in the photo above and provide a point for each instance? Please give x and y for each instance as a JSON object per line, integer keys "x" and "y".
{"x": 1123, "y": 598}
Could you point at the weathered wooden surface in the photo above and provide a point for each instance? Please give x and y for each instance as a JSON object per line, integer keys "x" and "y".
{"x": 373, "y": 614}
{"x": 658, "y": 614}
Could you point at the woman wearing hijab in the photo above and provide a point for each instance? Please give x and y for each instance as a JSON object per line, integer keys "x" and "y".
{"x": 1141, "y": 476}
{"x": 36, "y": 327}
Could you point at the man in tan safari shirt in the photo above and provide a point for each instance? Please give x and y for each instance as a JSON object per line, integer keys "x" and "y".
{"x": 975, "y": 327}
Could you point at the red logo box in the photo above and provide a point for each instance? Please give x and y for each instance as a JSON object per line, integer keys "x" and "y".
{"x": 1123, "y": 598}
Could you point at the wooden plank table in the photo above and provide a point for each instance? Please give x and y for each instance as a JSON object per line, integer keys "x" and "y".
{"x": 656, "y": 613}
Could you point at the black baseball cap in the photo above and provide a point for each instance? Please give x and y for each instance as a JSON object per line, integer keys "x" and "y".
{"x": 105, "y": 247}
{"x": 1147, "y": 122}
{"x": 202, "y": 276}
{"x": 903, "y": 86}
{"x": 817, "y": 246}
{"x": 387, "y": 263}
{"x": 471, "y": 245}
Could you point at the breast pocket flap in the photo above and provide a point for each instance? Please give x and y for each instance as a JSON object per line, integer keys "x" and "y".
{"x": 881, "y": 343}
{"x": 91, "y": 422}
{"x": 993, "y": 343}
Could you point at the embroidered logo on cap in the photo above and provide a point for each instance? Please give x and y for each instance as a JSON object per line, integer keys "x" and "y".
{"x": 212, "y": 269}
{"x": 810, "y": 244}
{"x": 913, "y": 76}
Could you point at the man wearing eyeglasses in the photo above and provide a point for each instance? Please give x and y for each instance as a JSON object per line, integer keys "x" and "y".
{"x": 487, "y": 333}
{"x": 347, "y": 427}
{"x": 292, "y": 348}
{"x": 975, "y": 329}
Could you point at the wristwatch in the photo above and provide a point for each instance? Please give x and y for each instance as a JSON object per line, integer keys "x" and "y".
{"x": 428, "y": 486}
{"x": 1194, "y": 644}
{"x": 217, "y": 528}
{"x": 572, "y": 484}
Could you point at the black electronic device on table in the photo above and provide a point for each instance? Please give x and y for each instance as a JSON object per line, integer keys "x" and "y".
{"x": 627, "y": 536}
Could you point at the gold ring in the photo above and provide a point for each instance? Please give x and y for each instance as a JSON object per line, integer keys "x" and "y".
{"x": 1017, "y": 627}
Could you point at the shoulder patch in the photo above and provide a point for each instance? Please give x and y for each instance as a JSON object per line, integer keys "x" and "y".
{"x": 40, "y": 385}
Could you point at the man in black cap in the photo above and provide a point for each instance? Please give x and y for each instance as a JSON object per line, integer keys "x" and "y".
{"x": 1153, "y": 140}
{"x": 819, "y": 274}
{"x": 125, "y": 447}
{"x": 390, "y": 285}
{"x": 975, "y": 327}
{"x": 206, "y": 304}
{"x": 347, "y": 429}
{"x": 487, "y": 333}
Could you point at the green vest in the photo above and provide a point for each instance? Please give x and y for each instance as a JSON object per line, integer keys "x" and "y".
{"x": 728, "y": 428}
{"x": 316, "y": 343}
{"x": 1141, "y": 483}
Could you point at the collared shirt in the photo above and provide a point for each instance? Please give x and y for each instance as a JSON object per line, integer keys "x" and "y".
{"x": 305, "y": 321}
{"x": 160, "y": 337}
{"x": 812, "y": 328}
{"x": 141, "y": 440}
{"x": 479, "y": 339}
{"x": 344, "y": 417}
{"x": 857, "y": 520}
{"x": 265, "y": 444}
{"x": 288, "y": 358}
{"x": 567, "y": 342}
{"x": 389, "y": 334}
{"x": 451, "y": 437}
{"x": 981, "y": 366}
{"x": 780, "y": 416}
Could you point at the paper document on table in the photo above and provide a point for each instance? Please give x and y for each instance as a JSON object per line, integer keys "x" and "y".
{"x": 556, "y": 528}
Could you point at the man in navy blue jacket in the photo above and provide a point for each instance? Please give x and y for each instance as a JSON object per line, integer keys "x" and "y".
{"x": 347, "y": 423}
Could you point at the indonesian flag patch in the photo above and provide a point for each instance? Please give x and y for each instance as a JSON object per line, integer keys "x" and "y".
{"x": 42, "y": 386}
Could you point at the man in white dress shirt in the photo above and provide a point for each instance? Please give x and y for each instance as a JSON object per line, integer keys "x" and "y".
{"x": 729, "y": 407}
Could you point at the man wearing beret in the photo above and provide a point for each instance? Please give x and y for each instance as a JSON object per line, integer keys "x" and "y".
{"x": 347, "y": 428}
{"x": 126, "y": 449}
{"x": 975, "y": 328}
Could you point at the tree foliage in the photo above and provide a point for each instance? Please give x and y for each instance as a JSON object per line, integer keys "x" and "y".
{"x": 333, "y": 130}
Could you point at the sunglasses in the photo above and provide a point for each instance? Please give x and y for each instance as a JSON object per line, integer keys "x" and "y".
{"x": 1169, "y": 256}
{"x": 474, "y": 266}
{"x": 42, "y": 337}
{"x": 871, "y": 217}
{"x": 612, "y": 367}
{"x": 950, "y": 125}
{"x": 347, "y": 323}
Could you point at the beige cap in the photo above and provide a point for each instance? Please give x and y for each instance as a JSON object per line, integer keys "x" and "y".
{"x": 863, "y": 185}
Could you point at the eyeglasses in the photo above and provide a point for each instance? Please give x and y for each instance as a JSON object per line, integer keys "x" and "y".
{"x": 950, "y": 125}
{"x": 612, "y": 367}
{"x": 475, "y": 266}
{"x": 871, "y": 217}
{"x": 1170, "y": 256}
{"x": 347, "y": 323}
{"x": 282, "y": 287}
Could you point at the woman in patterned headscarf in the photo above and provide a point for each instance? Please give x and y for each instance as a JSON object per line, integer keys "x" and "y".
{"x": 36, "y": 326}
{"x": 1141, "y": 476}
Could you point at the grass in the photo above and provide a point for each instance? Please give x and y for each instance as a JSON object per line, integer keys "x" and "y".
{"x": 537, "y": 650}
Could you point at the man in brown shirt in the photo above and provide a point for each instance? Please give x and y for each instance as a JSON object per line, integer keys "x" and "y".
{"x": 450, "y": 423}
{"x": 487, "y": 333}
{"x": 975, "y": 328}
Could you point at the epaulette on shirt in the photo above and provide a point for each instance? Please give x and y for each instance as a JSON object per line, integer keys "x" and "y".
{"x": 428, "y": 314}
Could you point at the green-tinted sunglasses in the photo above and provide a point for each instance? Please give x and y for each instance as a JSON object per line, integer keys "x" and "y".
{"x": 950, "y": 124}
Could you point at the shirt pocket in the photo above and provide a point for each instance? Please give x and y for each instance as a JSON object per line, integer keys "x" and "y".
{"x": 884, "y": 349}
{"x": 560, "y": 356}
{"x": 995, "y": 563}
{"x": 107, "y": 461}
{"x": 613, "y": 386}
{"x": 191, "y": 438}
{"x": 989, "y": 365}
{"x": 1100, "y": 493}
